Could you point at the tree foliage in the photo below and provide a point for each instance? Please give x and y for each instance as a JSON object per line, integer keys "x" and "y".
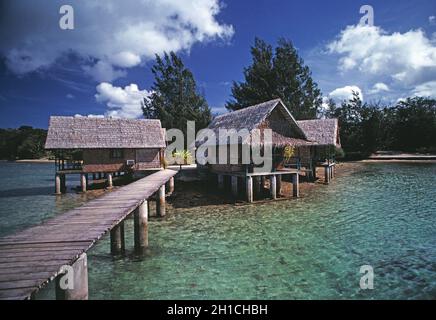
{"x": 175, "y": 98}
{"x": 278, "y": 73}
{"x": 22, "y": 143}
{"x": 409, "y": 125}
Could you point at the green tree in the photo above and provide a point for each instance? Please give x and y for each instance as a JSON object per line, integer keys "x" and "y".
{"x": 175, "y": 98}
{"x": 278, "y": 73}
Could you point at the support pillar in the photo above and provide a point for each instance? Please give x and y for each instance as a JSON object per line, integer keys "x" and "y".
{"x": 273, "y": 186}
{"x": 117, "y": 239}
{"x": 326, "y": 174}
{"x": 83, "y": 182}
{"x": 160, "y": 202}
{"x": 220, "y": 181}
{"x": 109, "y": 181}
{"x": 333, "y": 170}
{"x": 171, "y": 185}
{"x": 295, "y": 185}
{"x": 249, "y": 189}
{"x": 57, "y": 184}
{"x": 234, "y": 186}
{"x": 73, "y": 284}
{"x": 140, "y": 224}
{"x": 279, "y": 184}
{"x": 63, "y": 183}
{"x": 256, "y": 186}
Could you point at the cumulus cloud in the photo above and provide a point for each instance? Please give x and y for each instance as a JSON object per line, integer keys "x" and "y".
{"x": 121, "y": 102}
{"x": 345, "y": 93}
{"x": 379, "y": 87}
{"x": 427, "y": 89}
{"x": 404, "y": 61}
{"x": 432, "y": 20}
{"x": 109, "y": 35}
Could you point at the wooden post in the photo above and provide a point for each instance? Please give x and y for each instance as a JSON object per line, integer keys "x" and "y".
{"x": 326, "y": 174}
{"x": 279, "y": 184}
{"x": 63, "y": 183}
{"x": 171, "y": 185}
{"x": 249, "y": 189}
{"x": 333, "y": 170}
{"x": 109, "y": 181}
{"x": 295, "y": 186}
{"x": 160, "y": 202}
{"x": 117, "y": 239}
{"x": 273, "y": 186}
{"x": 220, "y": 181}
{"x": 83, "y": 182}
{"x": 256, "y": 186}
{"x": 150, "y": 212}
{"x": 58, "y": 183}
{"x": 140, "y": 223}
{"x": 73, "y": 284}
{"x": 234, "y": 180}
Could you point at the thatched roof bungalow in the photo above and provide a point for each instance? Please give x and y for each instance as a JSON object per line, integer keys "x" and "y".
{"x": 325, "y": 132}
{"x": 107, "y": 144}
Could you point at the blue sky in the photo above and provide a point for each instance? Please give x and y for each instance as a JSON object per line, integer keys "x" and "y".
{"x": 102, "y": 67}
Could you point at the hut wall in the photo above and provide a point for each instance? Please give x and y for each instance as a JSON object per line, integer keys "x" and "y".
{"x": 100, "y": 160}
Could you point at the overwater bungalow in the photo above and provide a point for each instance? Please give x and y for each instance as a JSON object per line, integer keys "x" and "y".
{"x": 104, "y": 146}
{"x": 297, "y": 147}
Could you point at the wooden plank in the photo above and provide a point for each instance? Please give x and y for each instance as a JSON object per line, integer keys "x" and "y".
{"x": 17, "y": 294}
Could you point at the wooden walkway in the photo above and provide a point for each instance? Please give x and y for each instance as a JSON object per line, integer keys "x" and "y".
{"x": 32, "y": 258}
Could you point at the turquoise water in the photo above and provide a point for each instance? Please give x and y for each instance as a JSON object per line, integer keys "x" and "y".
{"x": 311, "y": 248}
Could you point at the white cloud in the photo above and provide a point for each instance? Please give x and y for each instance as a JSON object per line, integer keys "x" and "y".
{"x": 121, "y": 102}
{"x": 427, "y": 89}
{"x": 379, "y": 87}
{"x": 70, "y": 96}
{"x": 345, "y": 93}
{"x": 108, "y": 35}
{"x": 408, "y": 57}
{"x": 432, "y": 20}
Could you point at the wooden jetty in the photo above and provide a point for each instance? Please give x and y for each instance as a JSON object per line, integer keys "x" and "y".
{"x": 57, "y": 248}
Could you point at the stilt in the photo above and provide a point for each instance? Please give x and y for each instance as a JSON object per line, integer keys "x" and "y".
{"x": 83, "y": 182}
{"x": 279, "y": 184}
{"x": 220, "y": 181}
{"x": 141, "y": 227}
{"x": 326, "y": 174}
{"x": 57, "y": 184}
{"x": 73, "y": 285}
{"x": 249, "y": 189}
{"x": 160, "y": 202}
{"x": 234, "y": 181}
{"x": 171, "y": 185}
{"x": 256, "y": 186}
{"x": 63, "y": 183}
{"x": 333, "y": 170}
{"x": 273, "y": 186}
{"x": 117, "y": 239}
{"x": 295, "y": 186}
{"x": 109, "y": 181}
{"x": 151, "y": 213}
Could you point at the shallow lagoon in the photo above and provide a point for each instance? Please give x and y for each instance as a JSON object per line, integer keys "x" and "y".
{"x": 383, "y": 215}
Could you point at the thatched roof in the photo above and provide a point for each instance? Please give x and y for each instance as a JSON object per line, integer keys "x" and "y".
{"x": 324, "y": 132}
{"x": 90, "y": 133}
{"x": 255, "y": 117}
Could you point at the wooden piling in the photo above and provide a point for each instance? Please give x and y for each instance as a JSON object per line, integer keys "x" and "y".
{"x": 279, "y": 185}
{"x": 160, "y": 202}
{"x": 220, "y": 181}
{"x": 140, "y": 223}
{"x": 326, "y": 174}
{"x": 63, "y": 183}
{"x": 171, "y": 185}
{"x": 83, "y": 182}
{"x": 78, "y": 274}
{"x": 295, "y": 185}
{"x": 273, "y": 186}
{"x": 117, "y": 239}
{"x": 249, "y": 181}
{"x": 234, "y": 180}
{"x": 57, "y": 184}
{"x": 109, "y": 181}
